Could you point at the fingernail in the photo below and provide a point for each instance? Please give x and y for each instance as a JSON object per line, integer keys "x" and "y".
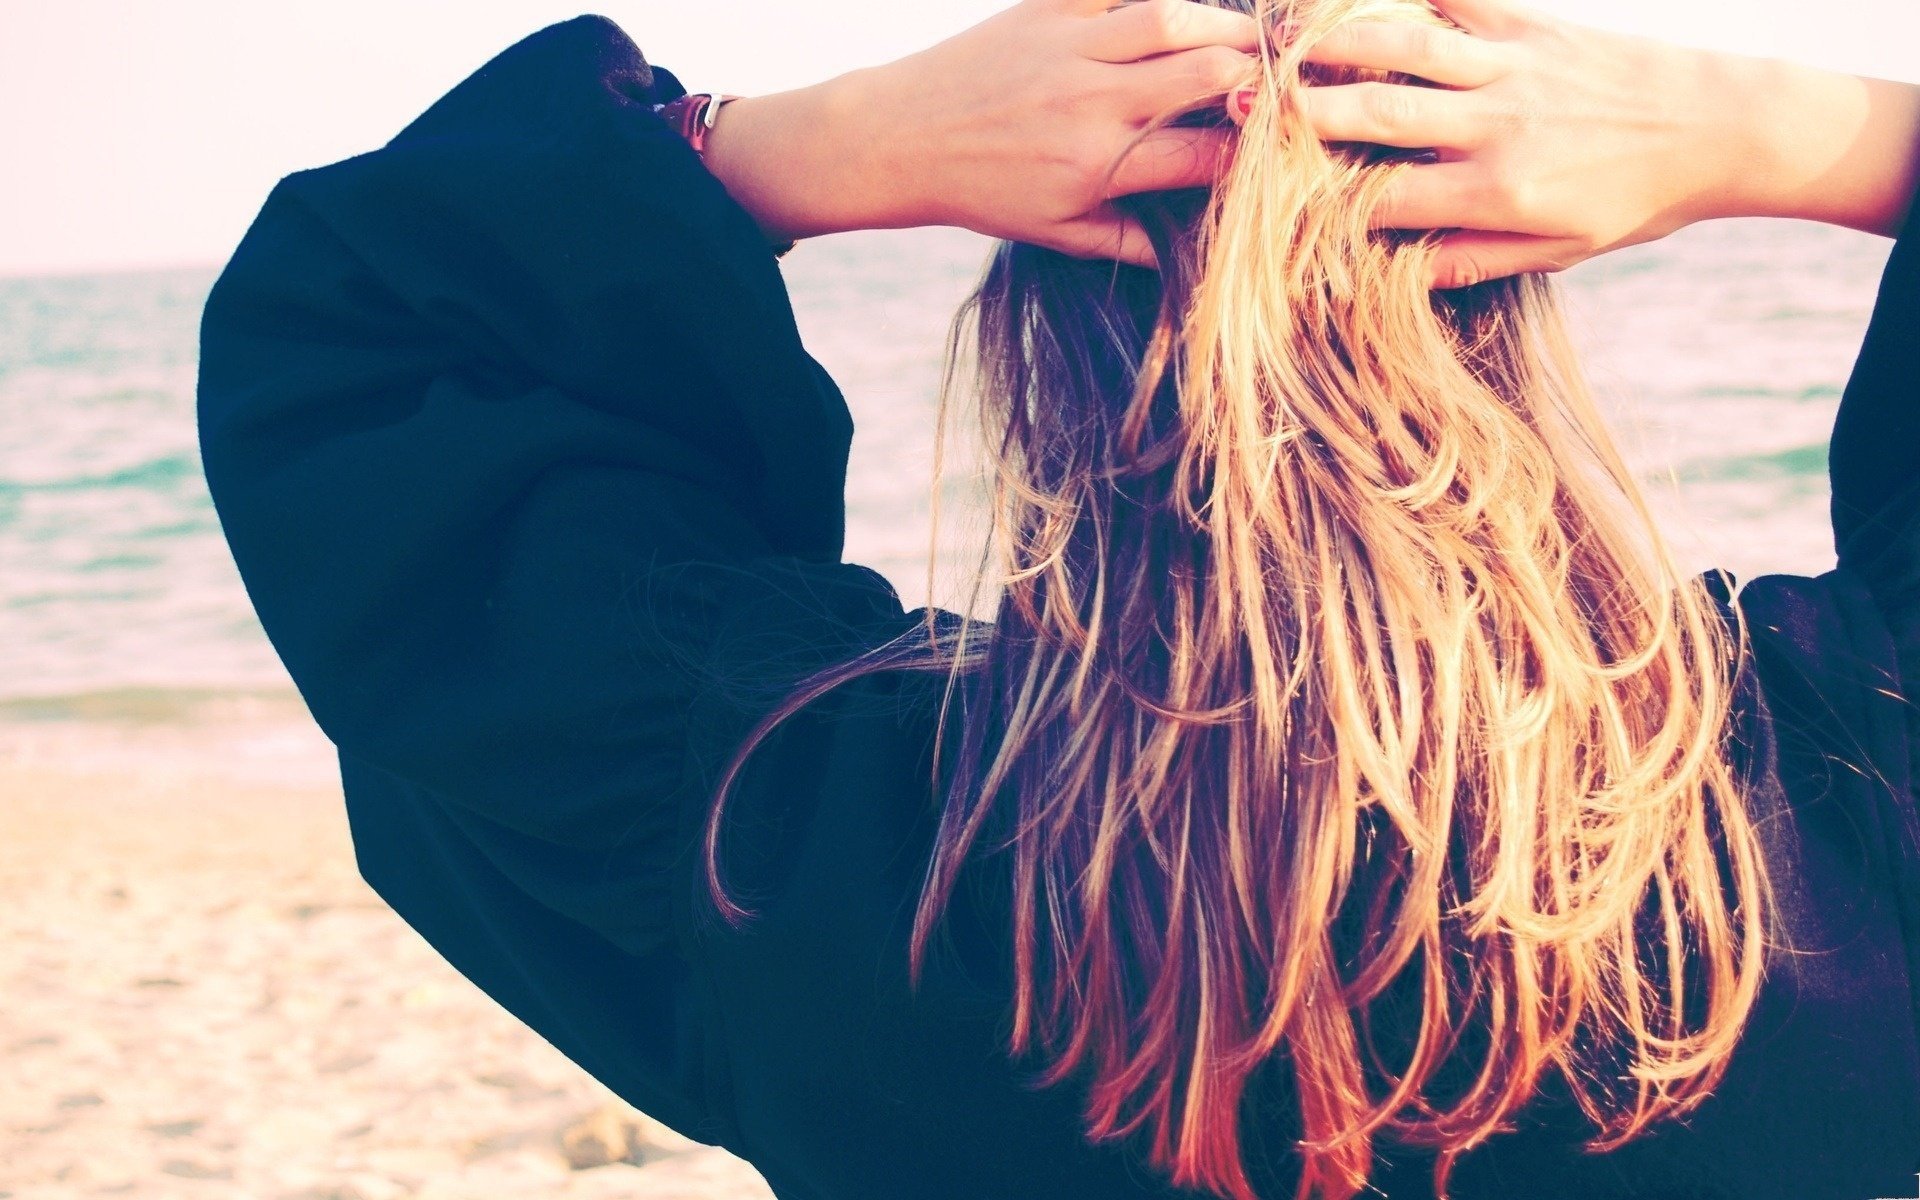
{"x": 1243, "y": 102}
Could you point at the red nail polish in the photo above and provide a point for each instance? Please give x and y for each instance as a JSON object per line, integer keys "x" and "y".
{"x": 1243, "y": 100}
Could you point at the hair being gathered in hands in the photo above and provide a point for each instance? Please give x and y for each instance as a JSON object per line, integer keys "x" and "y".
{"x": 1343, "y": 715}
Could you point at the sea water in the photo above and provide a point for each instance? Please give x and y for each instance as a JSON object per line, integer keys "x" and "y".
{"x": 1720, "y": 355}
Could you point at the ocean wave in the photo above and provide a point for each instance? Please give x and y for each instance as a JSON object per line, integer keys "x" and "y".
{"x": 120, "y": 598}
{"x": 166, "y": 472}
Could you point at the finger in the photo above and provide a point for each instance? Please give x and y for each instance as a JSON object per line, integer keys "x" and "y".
{"x": 1240, "y": 104}
{"x": 1389, "y": 114}
{"x": 1429, "y": 52}
{"x": 1106, "y": 236}
{"x": 1177, "y": 82}
{"x": 1168, "y": 159}
{"x": 1135, "y": 31}
{"x": 1439, "y": 196}
{"x": 1497, "y": 19}
{"x": 1469, "y": 259}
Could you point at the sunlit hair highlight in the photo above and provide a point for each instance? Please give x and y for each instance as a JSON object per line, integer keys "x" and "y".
{"x": 1342, "y": 711}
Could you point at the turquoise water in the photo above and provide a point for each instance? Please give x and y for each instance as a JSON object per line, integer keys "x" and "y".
{"x": 1722, "y": 352}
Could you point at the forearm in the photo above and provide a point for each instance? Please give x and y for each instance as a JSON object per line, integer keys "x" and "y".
{"x": 1822, "y": 146}
{"x": 1023, "y": 127}
{"x": 800, "y": 164}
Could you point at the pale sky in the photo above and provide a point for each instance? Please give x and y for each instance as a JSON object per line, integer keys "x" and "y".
{"x": 138, "y": 133}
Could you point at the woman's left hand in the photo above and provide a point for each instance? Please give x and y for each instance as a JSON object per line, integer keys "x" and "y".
{"x": 1023, "y": 127}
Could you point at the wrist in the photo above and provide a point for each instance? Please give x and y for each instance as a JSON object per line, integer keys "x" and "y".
{"x": 1819, "y": 146}
{"x": 1748, "y": 153}
{"x": 805, "y": 163}
{"x": 1788, "y": 121}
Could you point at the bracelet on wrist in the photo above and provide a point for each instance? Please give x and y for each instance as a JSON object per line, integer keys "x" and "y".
{"x": 692, "y": 117}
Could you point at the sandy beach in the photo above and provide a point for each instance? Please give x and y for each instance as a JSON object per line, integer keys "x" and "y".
{"x": 201, "y": 999}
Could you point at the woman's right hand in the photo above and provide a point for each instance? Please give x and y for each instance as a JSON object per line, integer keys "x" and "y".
{"x": 1558, "y": 143}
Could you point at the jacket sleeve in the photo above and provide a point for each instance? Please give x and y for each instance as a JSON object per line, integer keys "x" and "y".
{"x": 1875, "y": 453}
{"x": 514, "y": 441}
{"x": 1875, "y": 467}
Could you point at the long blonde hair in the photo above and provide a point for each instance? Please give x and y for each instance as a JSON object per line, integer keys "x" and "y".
{"x": 1343, "y": 709}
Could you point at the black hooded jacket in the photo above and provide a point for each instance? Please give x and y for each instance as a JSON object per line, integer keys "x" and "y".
{"x": 531, "y": 479}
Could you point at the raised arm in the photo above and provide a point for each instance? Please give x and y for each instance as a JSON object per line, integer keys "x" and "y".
{"x": 1023, "y": 127}
{"x": 1557, "y": 143}
{"x": 537, "y": 494}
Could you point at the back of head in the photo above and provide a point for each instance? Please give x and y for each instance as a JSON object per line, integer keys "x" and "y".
{"x": 1343, "y": 708}
{"x": 1343, "y": 721}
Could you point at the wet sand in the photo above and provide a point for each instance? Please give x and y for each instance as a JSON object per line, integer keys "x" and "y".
{"x": 200, "y": 999}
